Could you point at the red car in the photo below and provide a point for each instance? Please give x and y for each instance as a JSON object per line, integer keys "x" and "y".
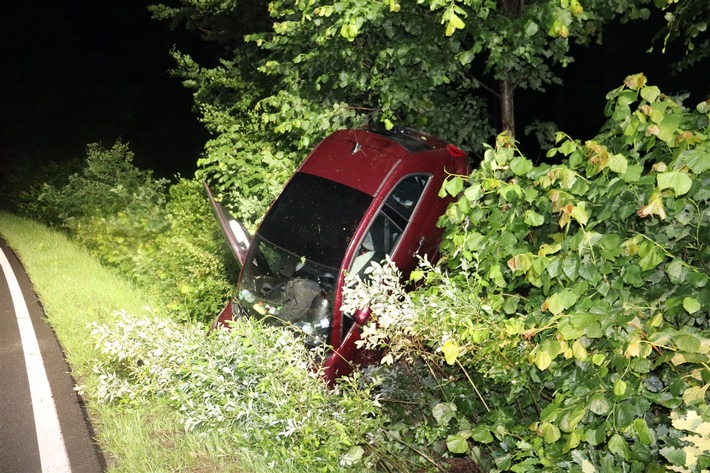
{"x": 360, "y": 195}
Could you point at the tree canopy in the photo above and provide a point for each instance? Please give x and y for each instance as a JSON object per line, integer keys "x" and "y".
{"x": 291, "y": 72}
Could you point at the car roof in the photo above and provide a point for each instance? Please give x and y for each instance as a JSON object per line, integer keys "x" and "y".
{"x": 364, "y": 158}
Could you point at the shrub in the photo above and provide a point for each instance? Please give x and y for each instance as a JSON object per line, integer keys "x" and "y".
{"x": 167, "y": 242}
{"x": 567, "y": 327}
{"x": 107, "y": 185}
{"x": 185, "y": 265}
{"x": 255, "y": 384}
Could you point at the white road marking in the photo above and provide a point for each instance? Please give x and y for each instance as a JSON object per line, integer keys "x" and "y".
{"x": 52, "y": 451}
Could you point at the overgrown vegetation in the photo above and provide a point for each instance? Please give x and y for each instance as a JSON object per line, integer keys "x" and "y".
{"x": 254, "y": 385}
{"x": 165, "y": 397}
{"x": 567, "y": 329}
{"x": 291, "y": 73}
{"x": 164, "y": 239}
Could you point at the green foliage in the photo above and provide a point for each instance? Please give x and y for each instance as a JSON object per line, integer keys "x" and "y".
{"x": 252, "y": 383}
{"x": 289, "y": 74}
{"x": 391, "y": 64}
{"x": 106, "y": 184}
{"x": 568, "y": 322}
{"x": 687, "y": 20}
{"x": 184, "y": 266}
{"x": 168, "y": 243}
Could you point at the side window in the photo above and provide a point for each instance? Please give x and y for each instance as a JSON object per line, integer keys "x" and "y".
{"x": 379, "y": 241}
{"x": 405, "y": 196}
{"x": 387, "y": 227}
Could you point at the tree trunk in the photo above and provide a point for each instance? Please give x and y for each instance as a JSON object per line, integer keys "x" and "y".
{"x": 507, "y": 107}
{"x": 513, "y": 9}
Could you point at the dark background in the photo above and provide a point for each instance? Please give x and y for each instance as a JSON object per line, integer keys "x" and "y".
{"x": 77, "y": 72}
{"x": 81, "y": 71}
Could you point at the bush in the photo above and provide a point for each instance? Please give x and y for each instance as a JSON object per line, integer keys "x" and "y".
{"x": 107, "y": 185}
{"x": 255, "y": 384}
{"x": 185, "y": 266}
{"x": 567, "y": 328}
{"x": 166, "y": 242}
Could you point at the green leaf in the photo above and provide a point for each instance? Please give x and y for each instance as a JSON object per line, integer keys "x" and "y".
{"x": 473, "y": 193}
{"x": 697, "y": 159}
{"x": 676, "y": 271}
{"x": 531, "y": 28}
{"x": 481, "y": 434}
{"x": 454, "y": 186}
{"x": 521, "y": 166}
{"x": 632, "y": 276}
{"x": 595, "y": 436}
{"x": 349, "y": 31}
{"x": 416, "y": 275}
{"x": 675, "y": 456}
{"x": 560, "y": 301}
{"x": 550, "y": 432}
{"x": 580, "y": 214}
{"x": 570, "y": 266}
{"x": 451, "y": 351}
{"x": 619, "y": 387}
{"x": 643, "y": 432}
{"x": 599, "y": 404}
{"x": 687, "y": 342}
{"x": 572, "y": 441}
{"x": 532, "y": 218}
{"x": 669, "y": 126}
{"x": 458, "y": 443}
{"x": 627, "y": 97}
{"x": 691, "y": 305}
{"x": 496, "y": 275}
{"x": 650, "y": 93}
{"x": 510, "y": 306}
{"x": 695, "y": 395}
{"x": 542, "y": 360}
{"x": 652, "y": 258}
{"x": 633, "y": 173}
{"x": 571, "y": 419}
{"x": 618, "y": 163}
{"x": 679, "y": 181}
{"x": 618, "y": 446}
{"x": 568, "y": 147}
{"x": 579, "y": 351}
{"x": 354, "y": 455}
{"x": 444, "y": 412}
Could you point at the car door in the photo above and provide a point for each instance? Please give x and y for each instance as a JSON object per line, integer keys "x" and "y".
{"x": 234, "y": 232}
{"x": 390, "y": 233}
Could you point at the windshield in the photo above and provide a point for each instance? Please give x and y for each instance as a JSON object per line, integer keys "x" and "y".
{"x": 296, "y": 254}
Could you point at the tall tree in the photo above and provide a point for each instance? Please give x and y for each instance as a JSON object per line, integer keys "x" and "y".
{"x": 297, "y": 70}
{"x": 404, "y": 54}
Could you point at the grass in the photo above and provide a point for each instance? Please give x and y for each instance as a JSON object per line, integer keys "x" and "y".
{"x": 75, "y": 291}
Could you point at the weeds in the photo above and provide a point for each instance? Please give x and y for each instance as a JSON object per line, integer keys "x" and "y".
{"x": 254, "y": 383}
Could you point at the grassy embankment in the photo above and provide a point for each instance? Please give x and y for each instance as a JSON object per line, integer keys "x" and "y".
{"x": 75, "y": 291}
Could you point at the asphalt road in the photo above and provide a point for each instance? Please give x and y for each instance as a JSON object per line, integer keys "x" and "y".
{"x": 43, "y": 424}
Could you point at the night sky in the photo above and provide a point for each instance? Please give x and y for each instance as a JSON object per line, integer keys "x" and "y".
{"x": 81, "y": 71}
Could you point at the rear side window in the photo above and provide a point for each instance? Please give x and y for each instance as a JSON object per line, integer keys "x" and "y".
{"x": 406, "y": 194}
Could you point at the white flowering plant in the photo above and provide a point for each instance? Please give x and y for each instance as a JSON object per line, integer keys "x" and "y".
{"x": 255, "y": 383}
